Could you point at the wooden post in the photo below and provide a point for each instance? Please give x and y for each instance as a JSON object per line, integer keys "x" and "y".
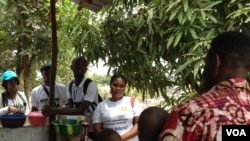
{"x": 52, "y": 136}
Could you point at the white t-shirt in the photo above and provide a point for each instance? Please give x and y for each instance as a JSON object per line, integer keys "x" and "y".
{"x": 118, "y": 115}
{"x": 78, "y": 96}
{"x": 39, "y": 97}
{"x": 17, "y": 102}
{"x": 91, "y": 96}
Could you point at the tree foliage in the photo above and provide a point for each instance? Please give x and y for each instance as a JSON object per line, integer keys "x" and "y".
{"x": 157, "y": 44}
{"x": 163, "y": 43}
{"x": 25, "y": 36}
{"x": 79, "y": 30}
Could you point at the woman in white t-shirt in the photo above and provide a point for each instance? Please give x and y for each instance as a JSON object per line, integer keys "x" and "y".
{"x": 119, "y": 112}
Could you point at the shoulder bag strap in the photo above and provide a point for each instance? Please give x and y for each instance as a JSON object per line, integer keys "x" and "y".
{"x": 47, "y": 92}
{"x": 70, "y": 87}
{"x": 4, "y": 99}
{"x": 85, "y": 85}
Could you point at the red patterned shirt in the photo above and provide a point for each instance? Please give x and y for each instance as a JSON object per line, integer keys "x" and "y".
{"x": 201, "y": 118}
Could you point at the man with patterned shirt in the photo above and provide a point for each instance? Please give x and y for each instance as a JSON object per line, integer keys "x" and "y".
{"x": 226, "y": 94}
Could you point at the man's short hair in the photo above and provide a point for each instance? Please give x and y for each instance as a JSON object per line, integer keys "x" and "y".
{"x": 45, "y": 66}
{"x": 78, "y": 58}
{"x": 233, "y": 49}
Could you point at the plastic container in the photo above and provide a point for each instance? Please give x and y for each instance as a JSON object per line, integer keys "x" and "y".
{"x": 37, "y": 118}
{"x": 67, "y": 126}
{"x": 13, "y": 120}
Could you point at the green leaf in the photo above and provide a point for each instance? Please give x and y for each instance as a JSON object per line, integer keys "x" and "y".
{"x": 170, "y": 41}
{"x": 247, "y": 20}
{"x": 211, "y": 17}
{"x": 203, "y": 15}
{"x": 150, "y": 13}
{"x": 184, "y": 66}
{"x": 210, "y": 33}
{"x": 173, "y": 14}
{"x": 203, "y": 22}
{"x": 212, "y": 4}
{"x": 150, "y": 28}
{"x": 197, "y": 67}
{"x": 185, "y": 5}
{"x": 189, "y": 15}
{"x": 180, "y": 18}
{"x": 139, "y": 42}
{"x": 172, "y": 4}
{"x": 3, "y": 2}
{"x": 193, "y": 33}
{"x": 193, "y": 17}
{"x": 177, "y": 38}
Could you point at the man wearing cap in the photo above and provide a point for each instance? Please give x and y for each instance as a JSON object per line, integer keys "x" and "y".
{"x": 12, "y": 100}
{"x": 40, "y": 94}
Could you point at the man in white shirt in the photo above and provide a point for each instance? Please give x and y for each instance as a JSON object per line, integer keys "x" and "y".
{"x": 79, "y": 102}
{"x": 40, "y": 94}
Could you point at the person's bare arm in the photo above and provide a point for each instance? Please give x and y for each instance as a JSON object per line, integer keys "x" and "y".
{"x": 98, "y": 127}
{"x": 13, "y": 109}
{"x": 34, "y": 109}
{"x": 69, "y": 110}
{"x": 132, "y": 132}
{"x": 70, "y": 103}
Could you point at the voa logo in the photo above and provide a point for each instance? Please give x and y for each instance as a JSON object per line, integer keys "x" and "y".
{"x": 236, "y": 132}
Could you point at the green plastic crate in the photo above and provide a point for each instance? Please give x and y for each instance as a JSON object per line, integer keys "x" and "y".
{"x": 67, "y": 126}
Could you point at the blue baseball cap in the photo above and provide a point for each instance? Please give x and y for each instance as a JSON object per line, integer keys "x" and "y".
{"x": 7, "y": 75}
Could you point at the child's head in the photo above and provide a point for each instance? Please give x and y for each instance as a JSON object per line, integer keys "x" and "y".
{"x": 150, "y": 123}
{"x": 108, "y": 135}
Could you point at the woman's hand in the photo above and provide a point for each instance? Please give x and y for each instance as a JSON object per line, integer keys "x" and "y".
{"x": 133, "y": 131}
{"x": 98, "y": 127}
{"x": 123, "y": 138}
{"x": 13, "y": 109}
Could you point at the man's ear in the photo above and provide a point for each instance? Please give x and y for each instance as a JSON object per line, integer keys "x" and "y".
{"x": 218, "y": 62}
